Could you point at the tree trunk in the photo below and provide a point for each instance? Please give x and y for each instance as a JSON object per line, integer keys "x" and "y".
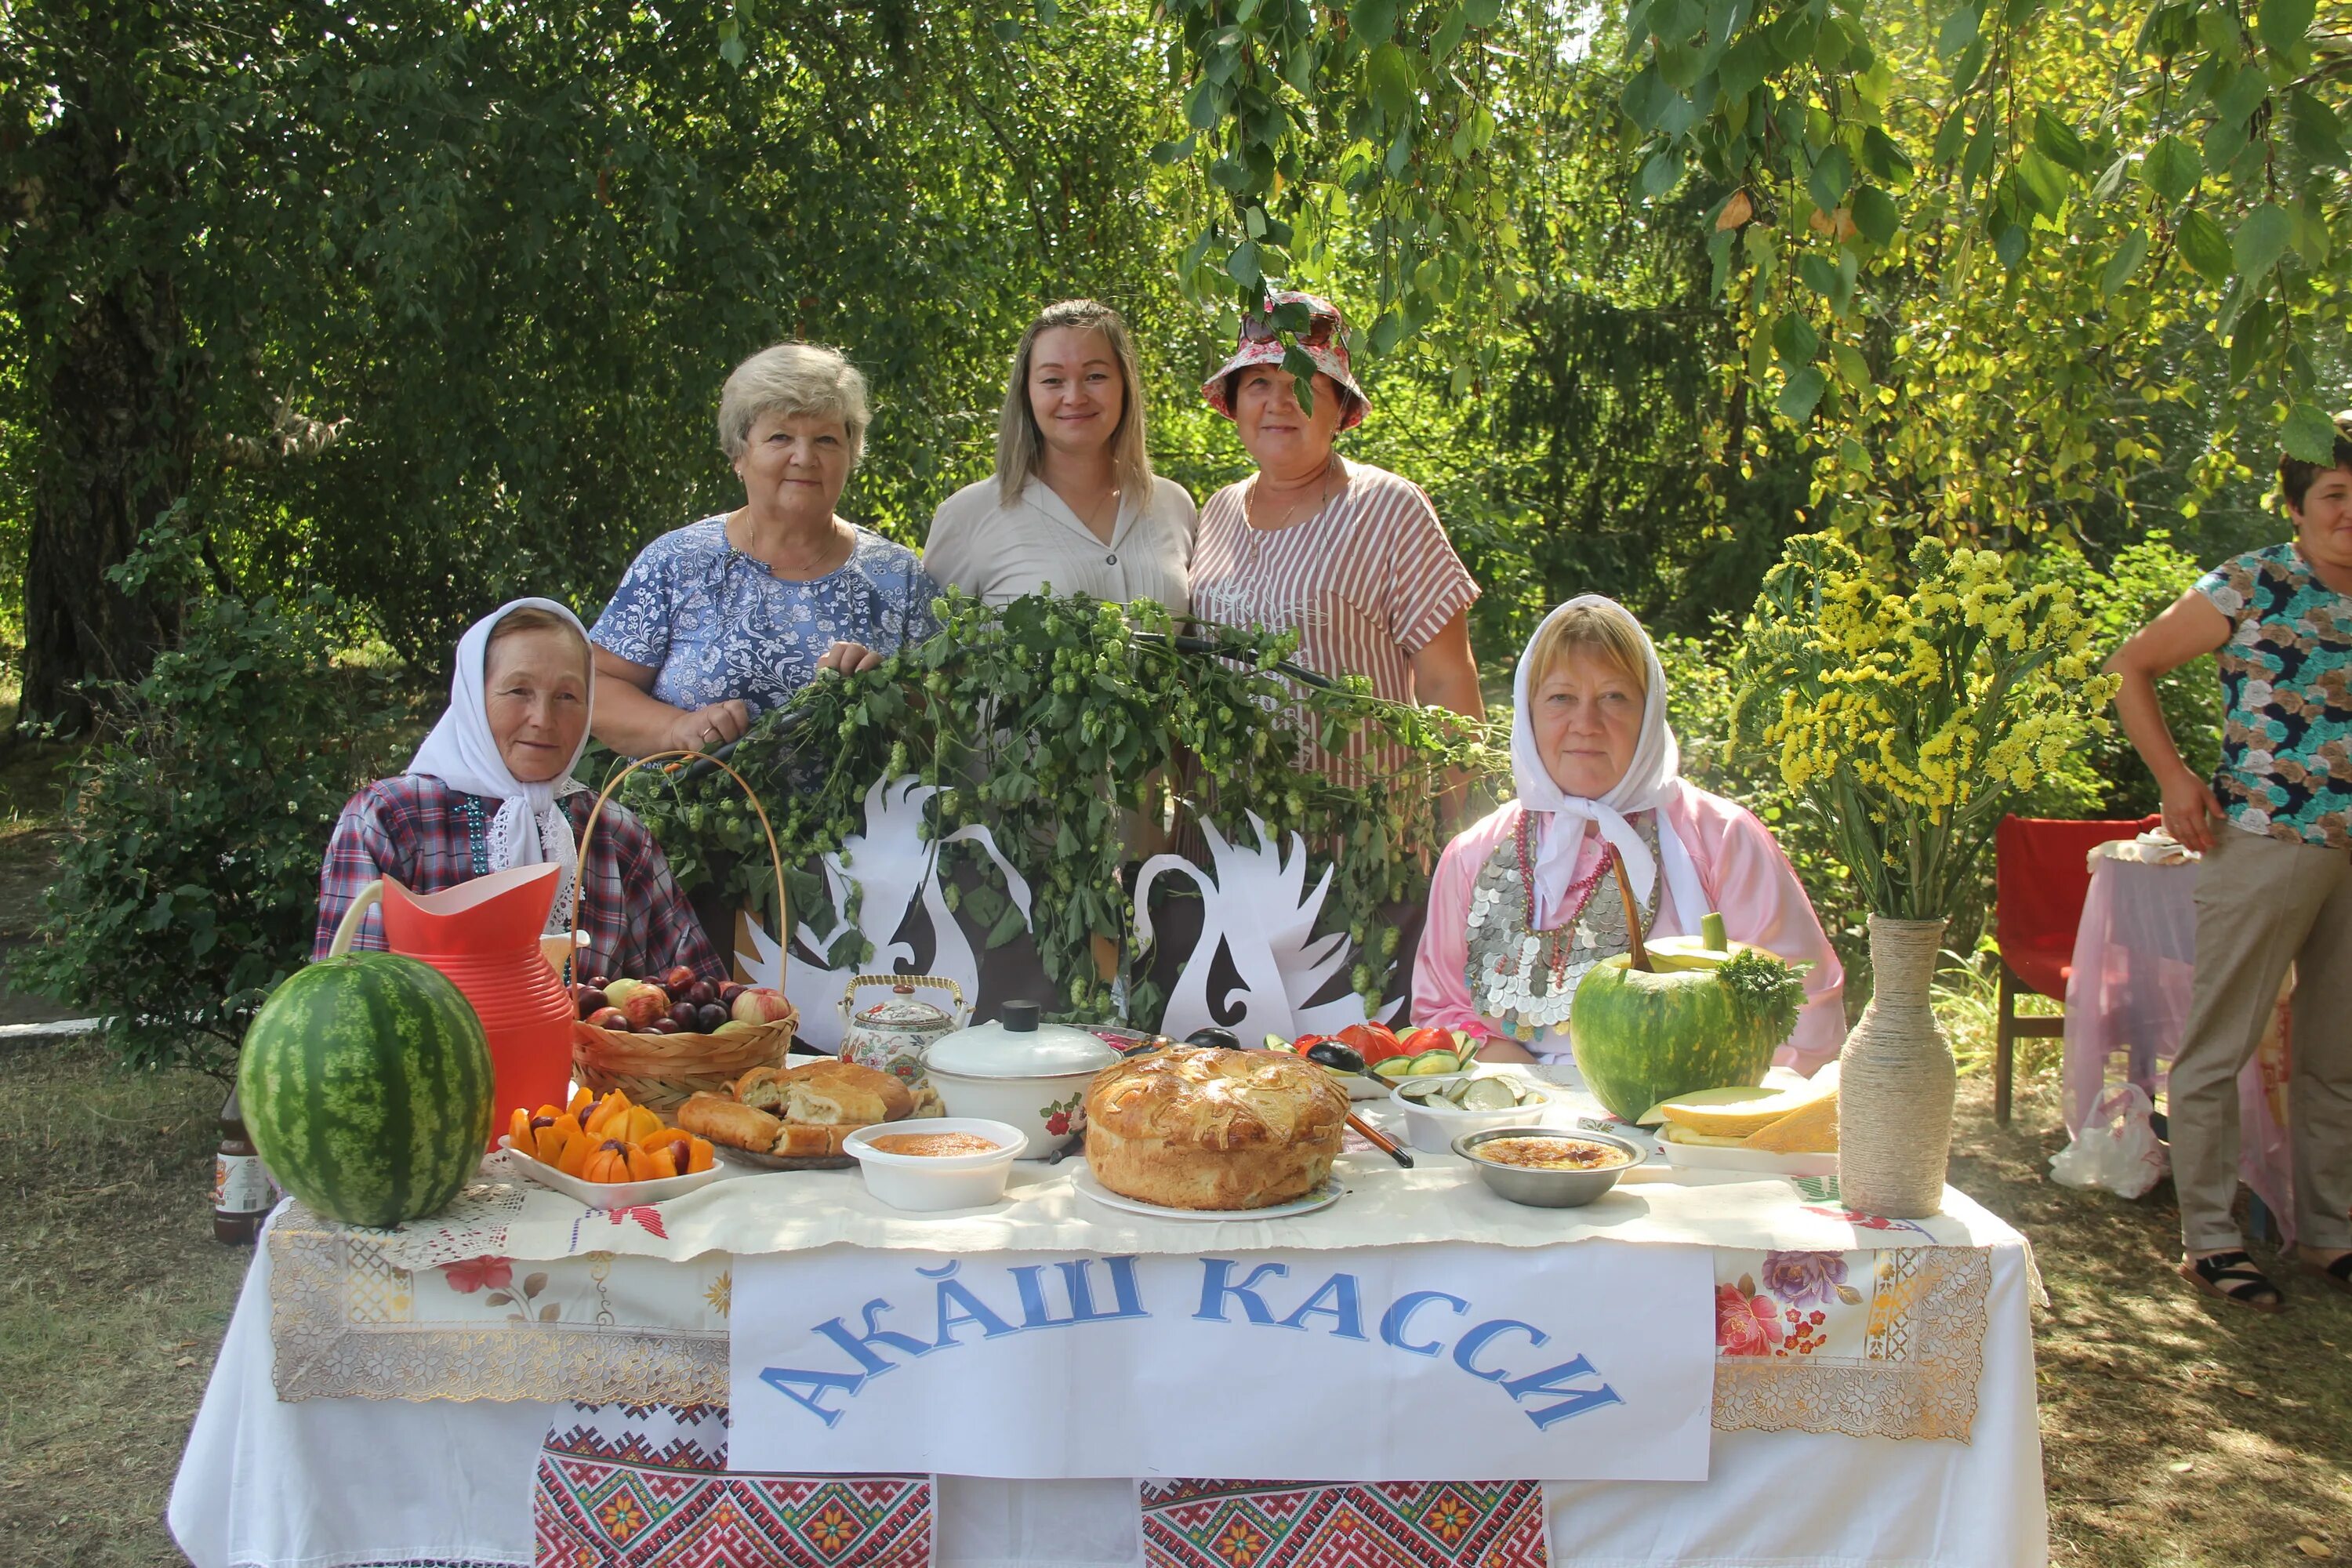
{"x": 116, "y": 433}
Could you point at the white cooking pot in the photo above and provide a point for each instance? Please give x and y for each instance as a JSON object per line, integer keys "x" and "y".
{"x": 1016, "y": 1070}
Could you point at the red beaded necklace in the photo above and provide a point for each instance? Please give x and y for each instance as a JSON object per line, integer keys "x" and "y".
{"x": 1580, "y": 893}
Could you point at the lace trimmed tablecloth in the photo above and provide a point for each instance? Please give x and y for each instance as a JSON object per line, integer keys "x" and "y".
{"x": 1826, "y": 1321}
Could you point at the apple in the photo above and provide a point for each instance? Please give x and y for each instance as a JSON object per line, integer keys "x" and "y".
{"x": 683, "y": 1015}
{"x": 708, "y": 1016}
{"x": 702, "y": 993}
{"x": 587, "y": 999}
{"x": 611, "y": 1018}
{"x": 735, "y": 1026}
{"x": 642, "y": 1004}
{"x": 679, "y": 978}
{"x": 732, "y": 989}
{"x": 617, "y": 991}
{"x": 760, "y": 1004}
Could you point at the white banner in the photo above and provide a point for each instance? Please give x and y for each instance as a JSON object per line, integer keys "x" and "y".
{"x": 1591, "y": 1362}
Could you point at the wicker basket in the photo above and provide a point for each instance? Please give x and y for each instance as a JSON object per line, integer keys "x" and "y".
{"x": 662, "y": 1072}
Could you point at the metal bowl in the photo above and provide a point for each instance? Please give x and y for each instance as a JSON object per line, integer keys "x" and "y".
{"x": 1546, "y": 1189}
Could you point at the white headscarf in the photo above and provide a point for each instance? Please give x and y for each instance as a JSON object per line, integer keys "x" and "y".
{"x": 1649, "y": 782}
{"x": 529, "y": 826}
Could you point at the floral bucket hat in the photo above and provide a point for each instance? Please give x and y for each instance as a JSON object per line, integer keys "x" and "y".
{"x": 1325, "y": 341}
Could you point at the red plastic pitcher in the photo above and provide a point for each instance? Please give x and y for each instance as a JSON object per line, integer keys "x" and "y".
{"x": 486, "y": 936}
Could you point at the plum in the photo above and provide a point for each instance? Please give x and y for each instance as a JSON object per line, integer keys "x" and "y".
{"x": 678, "y": 978}
{"x": 611, "y": 1018}
{"x": 709, "y": 1016}
{"x": 702, "y": 993}
{"x": 685, "y": 1016}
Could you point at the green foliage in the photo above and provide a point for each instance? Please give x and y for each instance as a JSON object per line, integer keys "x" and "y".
{"x": 1765, "y": 988}
{"x": 1057, "y": 722}
{"x": 1998, "y": 195}
{"x": 1907, "y": 716}
{"x": 188, "y": 886}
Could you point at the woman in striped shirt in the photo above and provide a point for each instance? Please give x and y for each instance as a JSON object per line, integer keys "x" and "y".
{"x": 1350, "y": 557}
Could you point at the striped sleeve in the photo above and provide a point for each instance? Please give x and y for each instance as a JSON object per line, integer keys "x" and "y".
{"x": 1428, "y": 585}
{"x": 359, "y": 853}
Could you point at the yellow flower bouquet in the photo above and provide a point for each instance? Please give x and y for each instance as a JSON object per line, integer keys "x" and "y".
{"x": 1908, "y": 720}
{"x": 1906, "y": 713}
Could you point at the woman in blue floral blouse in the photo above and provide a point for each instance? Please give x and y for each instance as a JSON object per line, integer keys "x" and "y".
{"x": 718, "y": 622}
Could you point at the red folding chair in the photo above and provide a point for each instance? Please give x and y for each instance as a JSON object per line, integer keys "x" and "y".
{"x": 2040, "y": 875}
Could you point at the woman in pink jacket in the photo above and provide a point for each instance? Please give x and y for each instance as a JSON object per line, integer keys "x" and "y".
{"x": 1524, "y": 904}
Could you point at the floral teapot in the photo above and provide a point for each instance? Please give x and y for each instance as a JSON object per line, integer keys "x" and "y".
{"x": 891, "y": 1037}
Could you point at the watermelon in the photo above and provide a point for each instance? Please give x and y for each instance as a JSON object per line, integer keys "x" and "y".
{"x": 1645, "y": 1036}
{"x": 366, "y": 1086}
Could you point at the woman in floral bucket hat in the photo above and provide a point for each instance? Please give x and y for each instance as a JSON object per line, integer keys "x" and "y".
{"x": 1350, "y": 556}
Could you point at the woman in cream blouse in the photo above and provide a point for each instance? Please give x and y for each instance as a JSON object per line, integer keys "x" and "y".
{"x": 1073, "y": 506}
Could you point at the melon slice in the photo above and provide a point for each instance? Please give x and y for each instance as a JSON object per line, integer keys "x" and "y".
{"x": 1688, "y": 1138}
{"x": 1738, "y": 1113}
{"x": 1737, "y": 1095}
{"x": 1812, "y": 1129}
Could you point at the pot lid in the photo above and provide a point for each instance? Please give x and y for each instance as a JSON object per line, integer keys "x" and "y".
{"x": 903, "y": 1012}
{"x": 1018, "y": 1046}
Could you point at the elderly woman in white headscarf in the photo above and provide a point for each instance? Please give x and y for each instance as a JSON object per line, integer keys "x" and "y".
{"x": 1524, "y": 903}
{"x": 492, "y": 787}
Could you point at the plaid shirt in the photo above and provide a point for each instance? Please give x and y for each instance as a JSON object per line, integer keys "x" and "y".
{"x": 431, "y": 837}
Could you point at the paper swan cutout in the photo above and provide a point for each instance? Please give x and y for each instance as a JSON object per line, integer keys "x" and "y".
{"x": 892, "y": 867}
{"x": 1255, "y": 905}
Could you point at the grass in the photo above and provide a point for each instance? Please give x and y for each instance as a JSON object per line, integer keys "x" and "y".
{"x": 113, "y": 1298}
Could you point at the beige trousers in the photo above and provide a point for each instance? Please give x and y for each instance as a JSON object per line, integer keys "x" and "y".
{"x": 2261, "y": 904}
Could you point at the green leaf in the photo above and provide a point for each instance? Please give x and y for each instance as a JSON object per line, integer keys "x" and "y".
{"x": 1802, "y": 394}
{"x": 1745, "y": 66}
{"x": 1646, "y": 97}
{"x": 2282, "y": 24}
{"x": 1852, "y": 369}
{"x": 2043, "y": 184}
{"x": 1951, "y": 139}
{"x": 2308, "y": 435}
{"x": 1243, "y": 265}
{"x": 1821, "y": 278}
{"x": 1659, "y": 174}
{"x": 1202, "y": 107}
{"x": 1958, "y": 31}
{"x": 1885, "y": 159}
{"x": 1482, "y": 13}
{"x": 2261, "y": 240}
{"x": 1794, "y": 339}
{"x": 1832, "y": 176}
{"x": 2204, "y": 247}
{"x": 1981, "y": 148}
{"x": 2009, "y": 246}
{"x": 1371, "y": 22}
{"x": 2058, "y": 142}
{"x": 1875, "y": 214}
{"x": 1007, "y": 30}
{"x": 2123, "y": 263}
{"x": 1390, "y": 78}
{"x": 2250, "y": 334}
{"x": 2171, "y": 169}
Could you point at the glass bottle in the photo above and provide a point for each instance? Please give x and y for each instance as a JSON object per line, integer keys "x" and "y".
{"x": 243, "y": 1194}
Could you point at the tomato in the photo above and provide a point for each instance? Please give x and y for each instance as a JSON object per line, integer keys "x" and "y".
{"x": 1373, "y": 1041}
{"x": 1428, "y": 1038}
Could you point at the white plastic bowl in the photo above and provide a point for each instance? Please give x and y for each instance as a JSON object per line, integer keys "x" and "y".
{"x": 925, "y": 1183}
{"x": 1432, "y": 1128}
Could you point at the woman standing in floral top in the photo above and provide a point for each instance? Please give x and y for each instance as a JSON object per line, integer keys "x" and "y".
{"x": 724, "y": 619}
{"x": 2275, "y": 888}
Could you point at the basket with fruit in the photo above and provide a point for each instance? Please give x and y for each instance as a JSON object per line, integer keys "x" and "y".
{"x": 662, "y": 1039}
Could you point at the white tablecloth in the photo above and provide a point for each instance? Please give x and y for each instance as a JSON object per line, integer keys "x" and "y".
{"x": 2135, "y": 955}
{"x": 336, "y": 1483}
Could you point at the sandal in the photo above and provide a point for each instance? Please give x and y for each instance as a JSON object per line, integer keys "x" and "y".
{"x": 2335, "y": 1276}
{"x": 2232, "y": 1277}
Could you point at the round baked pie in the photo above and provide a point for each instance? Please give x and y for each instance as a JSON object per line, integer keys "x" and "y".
{"x": 1215, "y": 1130}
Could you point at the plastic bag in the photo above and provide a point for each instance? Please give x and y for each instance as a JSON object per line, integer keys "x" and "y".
{"x": 2118, "y": 1151}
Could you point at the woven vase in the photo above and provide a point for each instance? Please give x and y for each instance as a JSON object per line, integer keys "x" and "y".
{"x": 1895, "y": 1081}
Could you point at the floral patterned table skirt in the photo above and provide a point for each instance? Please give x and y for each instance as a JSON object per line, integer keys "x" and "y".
{"x": 1869, "y": 1343}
